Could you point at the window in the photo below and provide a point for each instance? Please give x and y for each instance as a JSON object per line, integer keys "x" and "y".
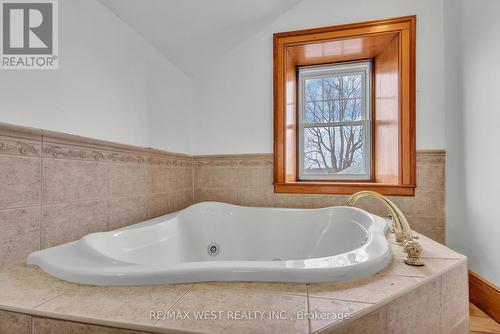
{"x": 335, "y": 122}
{"x": 344, "y": 108}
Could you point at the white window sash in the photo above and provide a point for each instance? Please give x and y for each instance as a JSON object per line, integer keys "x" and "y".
{"x": 327, "y": 71}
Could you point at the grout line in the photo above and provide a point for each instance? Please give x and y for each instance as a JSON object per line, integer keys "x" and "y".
{"x": 76, "y": 201}
{"x": 40, "y": 220}
{"x": 342, "y": 300}
{"x": 20, "y": 207}
{"x": 441, "y": 300}
{"x": 175, "y": 303}
{"x": 192, "y": 181}
{"x": 92, "y": 200}
{"x": 49, "y": 299}
{"x": 308, "y": 310}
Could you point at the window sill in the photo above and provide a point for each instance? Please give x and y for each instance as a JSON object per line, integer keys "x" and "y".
{"x": 343, "y": 188}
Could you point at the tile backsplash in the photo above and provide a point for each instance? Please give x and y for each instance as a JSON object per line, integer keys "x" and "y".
{"x": 56, "y": 188}
{"x": 248, "y": 180}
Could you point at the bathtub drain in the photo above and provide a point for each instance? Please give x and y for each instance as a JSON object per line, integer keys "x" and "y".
{"x": 213, "y": 249}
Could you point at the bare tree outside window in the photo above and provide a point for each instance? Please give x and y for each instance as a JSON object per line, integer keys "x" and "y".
{"x": 334, "y": 124}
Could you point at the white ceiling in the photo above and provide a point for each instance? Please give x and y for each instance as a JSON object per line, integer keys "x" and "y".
{"x": 192, "y": 33}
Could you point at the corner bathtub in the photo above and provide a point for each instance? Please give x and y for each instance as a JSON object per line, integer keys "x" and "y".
{"x": 222, "y": 242}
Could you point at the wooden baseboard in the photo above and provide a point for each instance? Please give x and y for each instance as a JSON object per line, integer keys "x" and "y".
{"x": 484, "y": 295}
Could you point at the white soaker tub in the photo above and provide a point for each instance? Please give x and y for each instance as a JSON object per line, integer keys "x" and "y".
{"x": 222, "y": 242}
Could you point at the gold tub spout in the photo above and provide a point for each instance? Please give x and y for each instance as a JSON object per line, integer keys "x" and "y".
{"x": 401, "y": 226}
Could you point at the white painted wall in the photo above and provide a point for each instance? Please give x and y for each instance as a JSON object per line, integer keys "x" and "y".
{"x": 233, "y": 96}
{"x": 472, "y": 54}
{"x": 111, "y": 84}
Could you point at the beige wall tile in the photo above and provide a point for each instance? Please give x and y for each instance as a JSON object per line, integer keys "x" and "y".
{"x": 159, "y": 204}
{"x": 371, "y": 289}
{"x": 255, "y": 176}
{"x": 374, "y": 323}
{"x": 455, "y": 295}
{"x": 424, "y": 204}
{"x": 182, "y": 178}
{"x": 199, "y": 298}
{"x": 117, "y": 303}
{"x": 198, "y": 176}
{"x": 337, "y": 311}
{"x": 433, "y": 227}
{"x": 216, "y": 194}
{"x": 256, "y": 196}
{"x": 52, "y": 326}
{"x": 430, "y": 249}
{"x": 431, "y": 267}
{"x": 68, "y": 222}
{"x": 308, "y": 201}
{"x": 159, "y": 179}
{"x": 126, "y": 211}
{"x": 291, "y": 201}
{"x": 431, "y": 177}
{"x": 435, "y": 250}
{"x": 15, "y": 323}
{"x": 462, "y": 327}
{"x": 221, "y": 177}
{"x": 418, "y": 311}
{"x": 73, "y": 180}
{"x": 397, "y": 267}
{"x": 247, "y": 180}
{"x": 20, "y": 180}
{"x": 182, "y": 199}
{"x": 20, "y": 234}
{"x": 263, "y": 287}
{"x": 152, "y": 183}
{"x": 27, "y": 286}
{"x": 127, "y": 180}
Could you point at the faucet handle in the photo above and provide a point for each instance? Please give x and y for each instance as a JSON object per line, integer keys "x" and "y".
{"x": 413, "y": 252}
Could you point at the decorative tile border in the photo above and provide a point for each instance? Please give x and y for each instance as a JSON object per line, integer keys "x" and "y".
{"x": 234, "y": 160}
{"x": 18, "y": 147}
{"x": 266, "y": 159}
{"x": 80, "y": 153}
{"x": 173, "y": 162}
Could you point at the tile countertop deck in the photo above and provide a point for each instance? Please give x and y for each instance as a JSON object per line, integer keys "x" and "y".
{"x": 28, "y": 290}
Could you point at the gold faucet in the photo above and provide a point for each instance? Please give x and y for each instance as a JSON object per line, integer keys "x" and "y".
{"x": 401, "y": 227}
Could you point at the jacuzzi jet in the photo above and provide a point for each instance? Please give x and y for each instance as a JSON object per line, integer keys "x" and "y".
{"x": 213, "y": 249}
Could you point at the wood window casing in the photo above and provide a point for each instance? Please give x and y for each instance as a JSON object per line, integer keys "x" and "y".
{"x": 390, "y": 45}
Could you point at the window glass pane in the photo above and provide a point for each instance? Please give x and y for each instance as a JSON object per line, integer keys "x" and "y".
{"x": 351, "y": 110}
{"x": 322, "y": 111}
{"x": 331, "y": 110}
{"x": 313, "y": 112}
{"x": 313, "y": 90}
{"x": 336, "y": 98}
{"x": 351, "y": 86}
{"x": 332, "y": 87}
{"x": 334, "y": 150}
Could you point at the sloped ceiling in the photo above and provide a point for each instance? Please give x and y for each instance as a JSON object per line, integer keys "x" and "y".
{"x": 192, "y": 33}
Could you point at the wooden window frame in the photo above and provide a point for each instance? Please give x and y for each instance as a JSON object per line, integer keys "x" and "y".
{"x": 391, "y": 44}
